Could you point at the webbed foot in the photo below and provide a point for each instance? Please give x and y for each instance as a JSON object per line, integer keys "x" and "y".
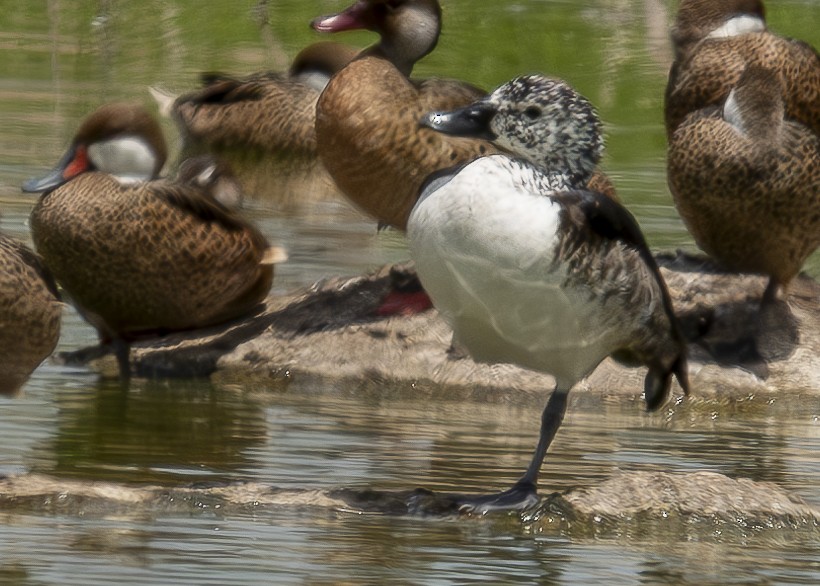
{"x": 522, "y": 495}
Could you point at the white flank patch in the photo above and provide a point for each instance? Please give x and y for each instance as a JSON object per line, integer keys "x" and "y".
{"x": 732, "y": 112}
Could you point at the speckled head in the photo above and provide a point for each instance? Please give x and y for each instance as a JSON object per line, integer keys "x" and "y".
{"x": 537, "y": 118}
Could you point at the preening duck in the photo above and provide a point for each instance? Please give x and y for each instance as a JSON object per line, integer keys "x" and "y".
{"x": 531, "y": 268}
{"x": 714, "y": 42}
{"x": 214, "y": 176}
{"x": 139, "y": 255}
{"x": 746, "y": 180}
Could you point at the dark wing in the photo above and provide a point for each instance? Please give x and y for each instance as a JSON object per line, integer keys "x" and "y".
{"x": 200, "y": 203}
{"x": 607, "y": 218}
{"x": 224, "y": 90}
{"x": 612, "y": 221}
{"x": 437, "y": 179}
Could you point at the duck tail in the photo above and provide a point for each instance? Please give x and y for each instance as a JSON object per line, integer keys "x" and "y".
{"x": 274, "y": 255}
{"x": 164, "y": 99}
{"x": 659, "y": 379}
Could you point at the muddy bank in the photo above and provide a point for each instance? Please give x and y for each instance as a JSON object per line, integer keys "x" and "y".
{"x": 331, "y": 329}
{"x": 628, "y": 501}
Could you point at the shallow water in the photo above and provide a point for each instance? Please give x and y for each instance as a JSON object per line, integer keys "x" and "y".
{"x": 63, "y": 58}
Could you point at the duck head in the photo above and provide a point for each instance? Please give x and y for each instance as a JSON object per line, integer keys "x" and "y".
{"x": 121, "y": 139}
{"x": 537, "y": 118}
{"x": 699, "y": 19}
{"x": 408, "y": 29}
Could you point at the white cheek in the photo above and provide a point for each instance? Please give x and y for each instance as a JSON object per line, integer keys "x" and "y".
{"x": 129, "y": 159}
{"x": 418, "y": 25}
{"x": 739, "y": 25}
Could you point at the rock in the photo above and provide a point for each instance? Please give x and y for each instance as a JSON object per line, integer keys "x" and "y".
{"x": 694, "y": 502}
{"x": 331, "y": 329}
{"x": 638, "y": 497}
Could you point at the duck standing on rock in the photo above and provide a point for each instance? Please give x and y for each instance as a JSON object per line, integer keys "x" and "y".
{"x": 141, "y": 256}
{"x": 367, "y": 117}
{"x": 530, "y": 267}
{"x": 30, "y": 311}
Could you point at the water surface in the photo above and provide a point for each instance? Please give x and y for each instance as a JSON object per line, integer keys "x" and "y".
{"x": 63, "y": 58}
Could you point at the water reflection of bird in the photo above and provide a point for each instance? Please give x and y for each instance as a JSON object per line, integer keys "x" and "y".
{"x": 531, "y": 268}
{"x": 30, "y": 311}
{"x": 141, "y": 256}
{"x": 742, "y": 113}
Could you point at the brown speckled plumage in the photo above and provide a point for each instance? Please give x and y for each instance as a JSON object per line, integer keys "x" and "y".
{"x": 367, "y": 127}
{"x": 30, "y": 311}
{"x": 367, "y": 122}
{"x": 271, "y": 113}
{"x": 151, "y": 256}
{"x": 751, "y": 196}
{"x": 705, "y": 69}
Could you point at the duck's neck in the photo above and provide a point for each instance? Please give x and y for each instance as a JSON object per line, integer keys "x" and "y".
{"x": 558, "y": 177}
{"x": 686, "y": 35}
{"x": 403, "y": 65}
{"x": 415, "y": 36}
{"x": 565, "y": 172}
{"x": 559, "y": 181}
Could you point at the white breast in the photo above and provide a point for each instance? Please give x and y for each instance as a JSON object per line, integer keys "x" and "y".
{"x": 484, "y": 246}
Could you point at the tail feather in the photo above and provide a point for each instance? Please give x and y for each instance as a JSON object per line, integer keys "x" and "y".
{"x": 165, "y": 100}
{"x": 658, "y": 381}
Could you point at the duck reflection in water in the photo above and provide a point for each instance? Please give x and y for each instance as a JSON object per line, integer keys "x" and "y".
{"x": 531, "y": 268}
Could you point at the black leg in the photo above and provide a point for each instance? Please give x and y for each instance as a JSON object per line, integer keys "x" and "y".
{"x": 522, "y": 494}
{"x": 551, "y": 419}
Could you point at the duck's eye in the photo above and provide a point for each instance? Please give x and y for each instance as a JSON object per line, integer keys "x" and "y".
{"x": 532, "y": 112}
